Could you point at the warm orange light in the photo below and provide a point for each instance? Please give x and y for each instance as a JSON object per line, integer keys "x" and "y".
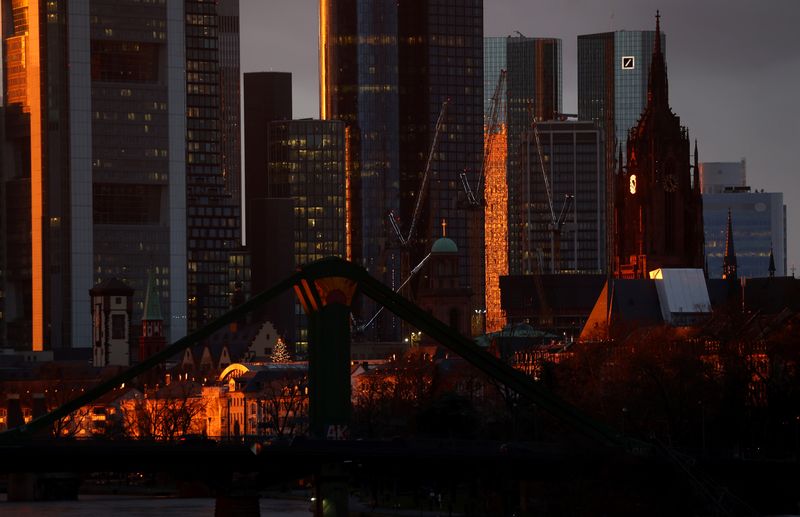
{"x": 323, "y": 59}
{"x": 348, "y": 219}
{"x": 495, "y": 224}
{"x": 33, "y": 72}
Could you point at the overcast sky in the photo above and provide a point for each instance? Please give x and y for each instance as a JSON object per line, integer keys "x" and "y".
{"x": 734, "y": 69}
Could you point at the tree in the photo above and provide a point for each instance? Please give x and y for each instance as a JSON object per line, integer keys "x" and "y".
{"x": 280, "y": 354}
{"x": 165, "y": 414}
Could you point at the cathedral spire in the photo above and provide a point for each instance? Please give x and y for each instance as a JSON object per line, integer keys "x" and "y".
{"x": 696, "y": 172}
{"x": 771, "y": 263}
{"x": 657, "y": 86}
{"x": 729, "y": 260}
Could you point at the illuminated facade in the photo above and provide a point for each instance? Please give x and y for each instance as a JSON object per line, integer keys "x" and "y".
{"x": 213, "y": 205}
{"x": 573, "y": 155}
{"x": 103, "y": 166}
{"x": 534, "y": 77}
{"x": 306, "y": 164}
{"x": 496, "y": 226}
{"x": 658, "y": 209}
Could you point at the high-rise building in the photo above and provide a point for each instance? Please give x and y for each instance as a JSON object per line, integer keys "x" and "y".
{"x": 758, "y": 221}
{"x": 269, "y": 222}
{"x": 658, "y": 209}
{"x": 572, "y": 152}
{"x": 307, "y": 165}
{"x": 613, "y": 71}
{"x": 267, "y": 97}
{"x": 533, "y": 87}
{"x": 441, "y": 59}
{"x": 386, "y": 69}
{"x": 359, "y": 85}
{"x": 213, "y": 187}
{"x": 718, "y": 177}
{"x": 95, "y": 105}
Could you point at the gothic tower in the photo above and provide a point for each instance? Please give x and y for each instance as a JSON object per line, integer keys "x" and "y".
{"x": 152, "y": 339}
{"x": 658, "y": 213}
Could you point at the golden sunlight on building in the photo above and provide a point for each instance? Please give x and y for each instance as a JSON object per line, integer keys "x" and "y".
{"x": 496, "y": 225}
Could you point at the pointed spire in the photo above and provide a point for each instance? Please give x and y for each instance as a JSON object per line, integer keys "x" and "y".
{"x": 771, "y": 263}
{"x": 729, "y": 260}
{"x": 657, "y": 85}
{"x": 696, "y": 175}
{"x": 619, "y": 160}
{"x": 152, "y": 302}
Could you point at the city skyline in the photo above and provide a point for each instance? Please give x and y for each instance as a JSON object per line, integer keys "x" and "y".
{"x": 728, "y": 111}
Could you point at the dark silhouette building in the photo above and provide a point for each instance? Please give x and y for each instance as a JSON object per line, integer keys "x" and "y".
{"x": 658, "y": 212}
{"x": 213, "y": 148}
{"x": 386, "y": 68}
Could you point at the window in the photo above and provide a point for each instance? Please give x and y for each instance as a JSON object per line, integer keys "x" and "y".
{"x": 118, "y": 326}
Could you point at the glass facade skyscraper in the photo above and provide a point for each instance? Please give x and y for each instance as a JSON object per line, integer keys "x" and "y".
{"x": 613, "y": 71}
{"x": 359, "y": 85}
{"x": 95, "y": 102}
{"x": 213, "y": 154}
{"x": 441, "y": 58}
{"x": 573, "y": 154}
{"x": 307, "y": 164}
{"x": 386, "y": 68}
{"x": 759, "y": 227}
{"x": 534, "y": 76}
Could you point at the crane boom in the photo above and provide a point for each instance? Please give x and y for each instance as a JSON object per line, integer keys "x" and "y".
{"x": 436, "y": 132}
{"x": 491, "y": 131}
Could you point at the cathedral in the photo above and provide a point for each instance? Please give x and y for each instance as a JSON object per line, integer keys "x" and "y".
{"x": 658, "y": 209}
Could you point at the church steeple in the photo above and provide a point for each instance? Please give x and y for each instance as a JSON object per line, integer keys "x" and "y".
{"x": 696, "y": 171}
{"x": 771, "y": 263}
{"x": 657, "y": 86}
{"x": 729, "y": 260}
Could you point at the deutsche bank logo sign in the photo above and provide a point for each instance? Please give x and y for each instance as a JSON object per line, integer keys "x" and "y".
{"x": 628, "y": 62}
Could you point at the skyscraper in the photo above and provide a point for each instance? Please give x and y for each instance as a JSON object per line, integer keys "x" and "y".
{"x": 359, "y": 85}
{"x": 441, "y": 59}
{"x": 307, "y": 165}
{"x": 533, "y": 87}
{"x": 95, "y": 103}
{"x": 759, "y": 230}
{"x": 212, "y": 159}
{"x": 613, "y": 71}
{"x": 572, "y": 152}
{"x": 386, "y": 69}
{"x": 658, "y": 209}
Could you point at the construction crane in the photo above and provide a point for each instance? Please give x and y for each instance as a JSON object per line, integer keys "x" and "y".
{"x": 475, "y": 197}
{"x": 417, "y": 269}
{"x": 404, "y": 240}
{"x": 556, "y": 224}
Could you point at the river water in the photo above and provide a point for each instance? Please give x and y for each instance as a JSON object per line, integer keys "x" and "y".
{"x": 125, "y": 506}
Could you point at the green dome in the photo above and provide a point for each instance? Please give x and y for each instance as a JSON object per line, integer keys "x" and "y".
{"x": 444, "y": 245}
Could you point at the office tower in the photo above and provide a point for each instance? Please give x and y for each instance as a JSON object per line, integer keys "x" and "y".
{"x": 386, "y": 69}
{"x": 758, "y": 220}
{"x": 658, "y": 209}
{"x": 533, "y": 87}
{"x": 307, "y": 165}
{"x": 95, "y": 119}
{"x": 269, "y": 228}
{"x": 440, "y": 59}
{"x": 613, "y": 70}
{"x": 572, "y": 153}
{"x": 212, "y": 158}
{"x": 718, "y": 177}
{"x": 267, "y": 97}
{"x": 359, "y": 85}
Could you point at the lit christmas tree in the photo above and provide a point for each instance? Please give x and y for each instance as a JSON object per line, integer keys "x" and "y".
{"x": 280, "y": 354}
